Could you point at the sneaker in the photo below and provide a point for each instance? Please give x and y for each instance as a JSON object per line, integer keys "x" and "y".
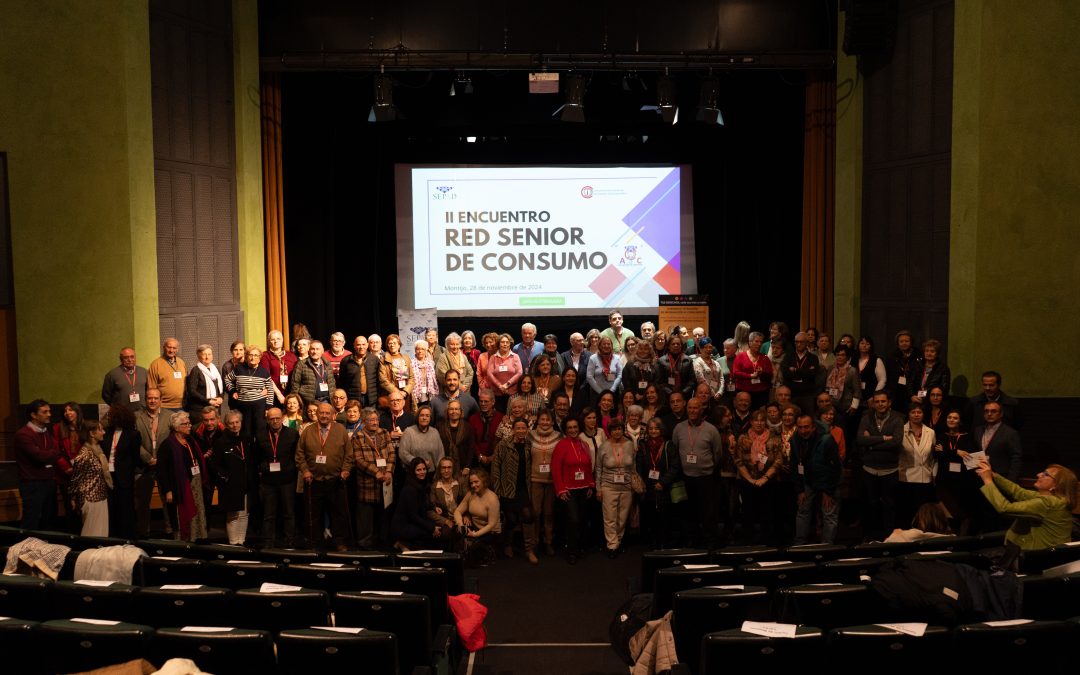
{"x": 532, "y": 557}
{"x": 508, "y": 551}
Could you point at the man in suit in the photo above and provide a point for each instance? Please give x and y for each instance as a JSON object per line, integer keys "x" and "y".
{"x": 125, "y": 383}
{"x": 576, "y": 357}
{"x": 359, "y": 374}
{"x": 397, "y": 419}
{"x": 324, "y": 457}
{"x": 276, "y": 461}
{"x": 152, "y": 423}
{"x": 991, "y": 391}
{"x": 999, "y": 441}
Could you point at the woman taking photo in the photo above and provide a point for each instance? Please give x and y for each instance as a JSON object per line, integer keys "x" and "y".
{"x": 204, "y": 385}
{"x": 543, "y": 439}
{"x": 396, "y": 373}
{"x": 412, "y": 526}
{"x": 180, "y": 471}
{"x": 1044, "y": 515}
{"x": 91, "y": 482}
{"x": 503, "y": 372}
{"x": 574, "y": 484}
{"x": 614, "y": 464}
{"x": 657, "y": 464}
{"x": 511, "y": 468}
{"x": 477, "y": 516}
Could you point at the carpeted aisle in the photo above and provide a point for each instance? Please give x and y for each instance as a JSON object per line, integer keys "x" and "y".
{"x": 553, "y": 617}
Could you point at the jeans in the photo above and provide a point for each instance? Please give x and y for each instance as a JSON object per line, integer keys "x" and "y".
{"x": 278, "y": 498}
{"x": 38, "y": 504}
{"x": 879, "y": 517}
{"x": 804, "y": 522}
{"x": 575, "y": 512}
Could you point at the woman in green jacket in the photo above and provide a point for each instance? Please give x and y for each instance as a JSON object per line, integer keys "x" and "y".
{"x": 1044, "y": 515}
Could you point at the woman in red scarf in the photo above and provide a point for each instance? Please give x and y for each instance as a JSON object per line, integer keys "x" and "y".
{"x": 759, "y": 458}
{"x": 180, "y": 471}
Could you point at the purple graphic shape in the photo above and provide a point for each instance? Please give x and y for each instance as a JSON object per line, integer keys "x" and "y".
{"x": 656, "y": 217}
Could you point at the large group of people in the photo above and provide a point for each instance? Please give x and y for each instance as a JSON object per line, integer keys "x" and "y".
{"x": 752, "y": 439}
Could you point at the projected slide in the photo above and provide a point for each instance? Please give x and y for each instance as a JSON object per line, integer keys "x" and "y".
{"x": 521, "y": 238}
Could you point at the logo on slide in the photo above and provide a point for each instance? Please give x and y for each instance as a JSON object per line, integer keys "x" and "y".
{"x": 443, "y": 192}
{"x": 630, "y": 257}
{"x": 586, "y": 192}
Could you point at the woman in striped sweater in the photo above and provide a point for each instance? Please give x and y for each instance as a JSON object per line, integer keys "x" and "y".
{"x": 251, "y": 392}
{"x": 544, "y": 438}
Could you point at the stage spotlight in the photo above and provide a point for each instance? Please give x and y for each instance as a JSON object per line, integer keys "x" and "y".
{"x": 665, "y": 101}
{"x": 709, "y": 107}
{"x": 573, "y": 110}
{"x": 462, "y": 84}
{"x": 383, "y": 110}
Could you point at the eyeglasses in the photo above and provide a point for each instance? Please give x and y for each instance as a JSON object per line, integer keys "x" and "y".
{"x": 1047, "y": 474}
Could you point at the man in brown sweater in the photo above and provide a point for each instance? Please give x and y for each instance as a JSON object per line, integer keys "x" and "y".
{"x": 166, "y": 374}
{"x": 325, "y": 460}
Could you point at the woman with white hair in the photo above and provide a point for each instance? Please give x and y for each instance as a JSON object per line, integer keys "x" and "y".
{"x": 454, "y": 358}
{"x": 180, "y": 472}
{"x": 204, "y": 384}
{"x": 426, "y": 386}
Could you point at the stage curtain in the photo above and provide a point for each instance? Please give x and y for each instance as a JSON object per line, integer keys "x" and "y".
{"x": 819, "y": 178}
{"x": 277, "y": 297}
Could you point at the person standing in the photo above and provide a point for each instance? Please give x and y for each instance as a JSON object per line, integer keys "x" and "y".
{"x": 616, "y": 332}
{"x": 180, "y": 477}
{"x": 816, "y": 462}
{"x": 614, "y": 464}
{"x": 204, "y": 385}
{"x": 358, "y": 375}
{"x": 125, "y": 383}
{"x": 153, "y": 425}
{"x": 275, "y": 457}
{"x": 313, "y": 378}
{"x": 231, "y": 462}
{"x": 91, "y": 481}
{"x": 699, "y": 445}
{"x": 571, "y": 473}
{"x": 325, "y": 460}
{"x": 122, "y": 446}
{"x": 280, "y": 363}
{"x": 36, "y": 455}
{"x": 251, "y": 392}
{"x": 375, "y": 459}
{"x": 881, "y": 432}
{"x": 166, "y": 374}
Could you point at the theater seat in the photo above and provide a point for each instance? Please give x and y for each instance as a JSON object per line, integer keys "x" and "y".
{"x": 651, "y": 561}
{"x": 115, "y": 601}
{"x": 24, "y": 597}
{"x": 167, "y": 569}
{"x": 704, "y": 610}
{"x": 745, "y": 555}
{"x": 169, "y": 606}
{"x": 670, "y": 580}
{"x": 227, "y": 650}
{"x": 993, "y": 645}
{"x": 430, "y": 582}
{"x": 76, "y": 645}
{"x": 15, "y": 638}
{"x": 361, "y": 558}
{"x": 773, "y": 574}
{"x": 850, "y": 570}
{"x": 724, "y": 649}
{"x": 453, "y": 563}
{"x": 210, "y": 552}
{"x": 827, "y": 606}
{"x": 815, "y": 552}
{"x": 325, "y": 576}
{"x": 406, "y": 615}
{"x": 237, "y": 574}
{"x": 889, "y": 651}
{"x": 312, "y": 650}
{"x": 167, "y": 547}
{"x": 287, "y": 556}
{"x": 277, "y": 611}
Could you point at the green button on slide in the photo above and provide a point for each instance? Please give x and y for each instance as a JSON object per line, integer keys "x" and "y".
{"x": 540, "y": 301}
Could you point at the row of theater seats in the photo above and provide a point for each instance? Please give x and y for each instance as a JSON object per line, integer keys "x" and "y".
{"x": 79, "y": 644}
{"x": 827, "y": 597}
{"x": 182, "y": 584}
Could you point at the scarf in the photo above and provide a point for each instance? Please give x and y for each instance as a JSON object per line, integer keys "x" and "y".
{"x": 836, "y": 379}
{"x": 212, "y": 378}
{"x": 759, "y": 450}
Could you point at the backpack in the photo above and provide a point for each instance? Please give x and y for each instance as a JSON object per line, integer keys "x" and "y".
{"x": 930, "y": 591}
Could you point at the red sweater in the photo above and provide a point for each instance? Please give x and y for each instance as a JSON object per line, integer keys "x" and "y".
{"x": 570, "y": 457}
{"x": 36, "y": 454}
{"x": 743, "y": 369}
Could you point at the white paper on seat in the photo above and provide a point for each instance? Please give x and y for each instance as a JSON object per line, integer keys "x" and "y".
{"x": 181, "y": 587}
{"x": 339, "y": 629}
{"x": 412, "y": 568}
{"x": 328, "y": 565}
{"x": 278, "y": 588}
{"x": 206, "y": 629}
{"x": 243, "y": 562}
{"x": 94, "y": 582}
{"x": 166, "y": 557}
{"x": 1071, "y": 543}
{"x": 419, "y": 552}
{"x": 730, "y": 587}
{"x": 933, "y": 552}
{"x": 774, "y": 563}
{"x": 98, "y": 622}
{"x": 769, "y": 629}
{"x": 700, "y": 567}
{"x": 831, "y": 583}
{"x": 384, "y": 592}
{"x": 1007, "y": 622}
{"x": 913, "y": 629}
{"x": 850, "y": 559}
{"x": 4, "y": 618}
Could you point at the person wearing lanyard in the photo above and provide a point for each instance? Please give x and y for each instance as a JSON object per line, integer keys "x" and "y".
{"x": 613, "y": 466}
{"x": 275, "y": 449}
{"x": 230, "y": 461}
{"x": 313, "y": 378}
{"x": 122, "y": 446}
{"x": 325, "y": 459}
{"x": 125, "y": 383}
{"x": 544, "y": 438}
{"x": 510, "y": 472}
{"x": 280, "y": 363}
{"x": 605, "y": 370}
{"x": 677, "y": 370}
{"x": 166, "y": 374}
{"x": 396, "y": 420}
{"x": 753, "y": 372}
{"x": 374, "y": 455}
{"x": 658, "y": 465}
{"x": 181, "y": 469}
{"x": 572, "y": 474}
{"x": 699, "y": 445}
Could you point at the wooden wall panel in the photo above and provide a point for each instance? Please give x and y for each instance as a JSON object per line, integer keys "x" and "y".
{"x": 906, "y": 178}
{"x": 194, "y": 156}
